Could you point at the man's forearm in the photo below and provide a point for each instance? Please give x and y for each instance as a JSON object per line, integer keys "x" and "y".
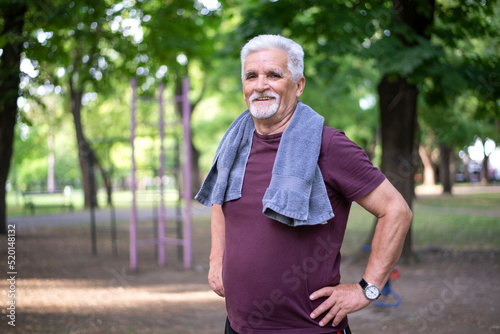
{"x": 217, "y": 251}
{"x": 218, "y": 232}
{"x": 387, "y": 244}
{"x": 394, "y": 219}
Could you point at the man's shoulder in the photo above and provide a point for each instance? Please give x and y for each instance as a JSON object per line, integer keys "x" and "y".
{"x": 329, "y": 132}
{"x": 335, "y": 140}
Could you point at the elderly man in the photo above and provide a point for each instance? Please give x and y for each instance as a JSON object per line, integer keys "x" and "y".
{"x": 281, "y": 188}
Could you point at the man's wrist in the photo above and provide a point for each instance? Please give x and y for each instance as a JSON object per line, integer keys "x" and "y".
{"x": 370, "y": 290}
{"x": 216, "y": 257}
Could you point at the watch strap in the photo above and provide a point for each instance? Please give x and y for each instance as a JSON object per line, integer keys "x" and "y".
{"x": 363, "y": 284}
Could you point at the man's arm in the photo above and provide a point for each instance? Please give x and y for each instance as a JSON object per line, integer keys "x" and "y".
{"x": 394, "y": 218}
{"x": 217, "y": 250}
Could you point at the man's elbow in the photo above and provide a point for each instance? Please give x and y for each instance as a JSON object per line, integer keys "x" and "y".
{"x": 402, "y": 214}
{"x": 406, "y": 215}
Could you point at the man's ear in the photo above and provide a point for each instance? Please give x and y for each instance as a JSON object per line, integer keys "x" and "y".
{"x": 301, "y": 82}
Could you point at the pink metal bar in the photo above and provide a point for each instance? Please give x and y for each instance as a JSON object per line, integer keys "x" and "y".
{"x": 147, "y": 242}
{"x": 133, "y": 212}
{"x": 174, "y": 241}
{"x": 161, "y": 207}
{"x": 186, "y": 118}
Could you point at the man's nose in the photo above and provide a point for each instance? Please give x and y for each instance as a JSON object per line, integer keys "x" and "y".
{"x": 262, "y": 83}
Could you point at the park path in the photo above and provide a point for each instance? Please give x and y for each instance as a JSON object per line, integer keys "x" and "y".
{"x": 465, "y": 189}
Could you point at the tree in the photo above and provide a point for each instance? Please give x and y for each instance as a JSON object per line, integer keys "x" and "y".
{"x": 426, "y": 150}
{"x": 446, "y": 128}
{"x": 488, "y": 145}
{"x": 11, "y": 27}
{"x": 179, "y": 37}
{"x": 82, "y": 44}
{"x": 463, "y": 91}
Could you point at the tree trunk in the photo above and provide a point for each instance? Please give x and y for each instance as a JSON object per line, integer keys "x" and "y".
{"x": 107, "y": 183}
{"x": 195, "y": 170}
{"x": 398, "y": 113}
{"x": 444, "y": 168}
{"x": 485, "y": 179}
{"x": 453, "y": 168}
{"x": 85, "y": 153}
{"x": 13, "y": 22}
{"x": 429, "y": 168}
{"x": 466, "y": 160}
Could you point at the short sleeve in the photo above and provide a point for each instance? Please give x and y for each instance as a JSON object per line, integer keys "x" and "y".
{"x": 345, "y": 166}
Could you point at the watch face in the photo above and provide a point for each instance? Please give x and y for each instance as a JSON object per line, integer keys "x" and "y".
{"x": 372, "y": 292}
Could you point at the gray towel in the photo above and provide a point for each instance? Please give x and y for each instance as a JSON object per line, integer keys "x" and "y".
{"x": 296, "y": 194}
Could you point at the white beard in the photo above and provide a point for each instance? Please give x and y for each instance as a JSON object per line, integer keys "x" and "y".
{"x": 261, "y": 112}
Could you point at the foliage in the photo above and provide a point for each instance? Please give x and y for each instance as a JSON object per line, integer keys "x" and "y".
{"x": 463, "y": 94}
{"x": 95, "y": 47}
{"x": 349, "y": 45}
{"x": 461, "y": 56}
{"x": 11, "y": 27}
{"x": 176, "y": 35}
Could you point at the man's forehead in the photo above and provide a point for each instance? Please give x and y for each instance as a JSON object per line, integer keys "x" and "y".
{"x": 268, "y": 59}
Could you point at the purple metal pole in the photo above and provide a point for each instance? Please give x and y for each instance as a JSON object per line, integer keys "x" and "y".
{"x": 186, "y": 118}
{"x": 133, "y": 213}
{"x": 161, "y": 208}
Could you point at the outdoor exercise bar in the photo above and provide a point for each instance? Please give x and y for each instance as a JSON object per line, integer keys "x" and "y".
{"x": 161, "y": 172}
{"x": 162, "y": 240}
{"x": 186, "y": 117}
{"x": 133, "y": 209}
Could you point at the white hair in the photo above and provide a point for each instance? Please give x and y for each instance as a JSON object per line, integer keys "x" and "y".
{"x": 265, "y": 42}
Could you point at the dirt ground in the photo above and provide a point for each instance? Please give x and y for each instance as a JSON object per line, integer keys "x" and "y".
{"x": 61, "y": 287}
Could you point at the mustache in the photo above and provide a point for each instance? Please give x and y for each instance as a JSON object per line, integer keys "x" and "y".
{"x": 256, "y": 95}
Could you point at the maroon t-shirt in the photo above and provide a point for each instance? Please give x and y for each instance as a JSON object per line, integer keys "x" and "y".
{"x": 269, "y": 268}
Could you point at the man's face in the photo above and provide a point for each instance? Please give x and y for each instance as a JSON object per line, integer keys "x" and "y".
{"x": 268, "y": 86}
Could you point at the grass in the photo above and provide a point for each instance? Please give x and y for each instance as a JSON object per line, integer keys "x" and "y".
{"x": 455, "y": 231}
{"x": 448, "y": 222}
{"x": 486, "y": 201}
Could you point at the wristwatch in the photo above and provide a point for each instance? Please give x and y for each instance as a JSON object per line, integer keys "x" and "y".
{"x": 371, "y": 291}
